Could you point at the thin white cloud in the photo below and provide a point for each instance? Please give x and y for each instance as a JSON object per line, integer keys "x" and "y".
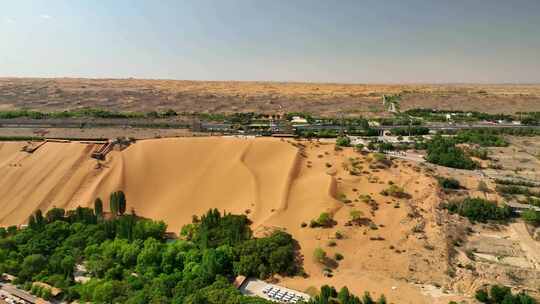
{"x": 9, "y": 20}
{"x": 45, "y": 16}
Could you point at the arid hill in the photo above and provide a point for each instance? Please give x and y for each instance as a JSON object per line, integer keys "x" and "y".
{"x": 266, "y": 97}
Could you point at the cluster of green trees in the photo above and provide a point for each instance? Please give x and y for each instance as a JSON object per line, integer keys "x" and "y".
{"x": 329, "y": 294}
{"x": 498, "y": 294}
{"x": 531, "y": 118}
{"x": 480, "y": 210}
{"x": 129, "y": 260}
{"x": 480, "y": 137}
{"x": 117, "y": 204}
{"x": 79, "y": 113}
{"x": 443, "y": 151}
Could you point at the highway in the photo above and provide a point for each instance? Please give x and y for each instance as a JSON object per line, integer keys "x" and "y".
{"x": 130, "y": 123}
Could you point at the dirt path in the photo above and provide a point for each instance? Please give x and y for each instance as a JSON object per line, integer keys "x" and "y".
{"x": 527, "y": 243}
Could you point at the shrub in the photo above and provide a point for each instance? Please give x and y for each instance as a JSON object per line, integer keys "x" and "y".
{"x": 395, "y": 191}
{"x": 531, "y": 216}
{"x": 477, "y": 209}
{"x": 324, "y": 220}
{"x": 319, "y": 255}
{"x": 449, "y": 183}
{"x": 356, "y": 215}
{"x": 338, "y": 256}
{"x": 343, "y": 141}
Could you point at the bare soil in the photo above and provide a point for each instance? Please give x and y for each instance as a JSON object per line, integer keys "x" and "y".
{"x": 264, "y": 97}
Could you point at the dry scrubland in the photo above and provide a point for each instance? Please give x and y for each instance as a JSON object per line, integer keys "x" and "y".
{"x": 398, "y": 245}
{"x": 268, "y": 97}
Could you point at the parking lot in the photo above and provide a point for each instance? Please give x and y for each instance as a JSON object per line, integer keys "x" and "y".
{"x": 271, "y": 292}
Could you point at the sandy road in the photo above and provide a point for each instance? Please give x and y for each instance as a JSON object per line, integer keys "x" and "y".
{"x": 527, "y": 243}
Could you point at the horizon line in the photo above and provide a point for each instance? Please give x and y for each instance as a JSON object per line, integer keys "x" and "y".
{"x": 405, "y": 83}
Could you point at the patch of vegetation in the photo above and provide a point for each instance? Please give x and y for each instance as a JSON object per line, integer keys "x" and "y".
{"x": 443, "y": 151}
{"x": 129, "y": 260}
{"x": 325, "y": 219}
{"x": 479, "y": 137}
{"x": 319, "y": 255}
{"x": 343, "y": 141}
{"x": 499, "y": 294}
{"x": 516, "y": 190}
{"x": 482, "y": 153}
{"x": 395, "y": 191}
{"x": 329, "y": 294}
{"x": 449, "y": 183}
{"x": 531, "y": 216}
{"x": 516, "y": 182}
{"x": 479, "y": 210}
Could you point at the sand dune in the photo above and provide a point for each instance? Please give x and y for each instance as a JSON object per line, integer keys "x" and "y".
{"x": 168, "y": 179}
{"x": 277, "y": 183}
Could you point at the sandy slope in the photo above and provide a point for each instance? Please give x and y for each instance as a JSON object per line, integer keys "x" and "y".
{"x": 276, "y": 183}
{"x": 169, "y": 179}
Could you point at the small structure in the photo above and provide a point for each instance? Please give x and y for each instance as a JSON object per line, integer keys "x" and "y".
{"x": 297, "y": 120}
{"x": 258, "y": 288}
{"x": 31, "y": 147}
{"x": 239, "y": 281}
{"x": 117, "y": 144}
{"x": 79, "y": 275}
{"x": 284, "y": 135}
{"x": 6, "y": 277}
{"x": 519, "y": 208}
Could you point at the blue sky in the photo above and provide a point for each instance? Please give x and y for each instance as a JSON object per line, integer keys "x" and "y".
{"x": 355, "y": 41}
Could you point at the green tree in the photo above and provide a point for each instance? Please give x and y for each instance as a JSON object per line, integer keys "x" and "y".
{"x": 98, "y": 207}
{"x": 32, "y": 265}
{"x": 121, "y": 202}
{"x": 40, "y": 221}
{"x": 113, "y": 203}
{"x": 67, "y": 265}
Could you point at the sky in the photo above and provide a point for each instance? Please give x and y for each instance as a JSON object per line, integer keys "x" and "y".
{"x": 352, "y": 41}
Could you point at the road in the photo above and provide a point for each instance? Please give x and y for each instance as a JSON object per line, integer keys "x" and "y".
{"x": 527, "y": 243}
{"x": 11, "y": 289}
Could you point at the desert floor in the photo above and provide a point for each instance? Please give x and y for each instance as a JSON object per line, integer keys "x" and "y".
{"x": 264, "y": 97}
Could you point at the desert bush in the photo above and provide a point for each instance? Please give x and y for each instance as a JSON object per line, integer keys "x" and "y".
{"x": 325, "y": 219}
{"x": 449, "y": 183}
{"x": 343, "y": 141}
{"x": 319, "y": 255}
{"x": 395, "y": 191}
{"x": 477, "y": 209}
